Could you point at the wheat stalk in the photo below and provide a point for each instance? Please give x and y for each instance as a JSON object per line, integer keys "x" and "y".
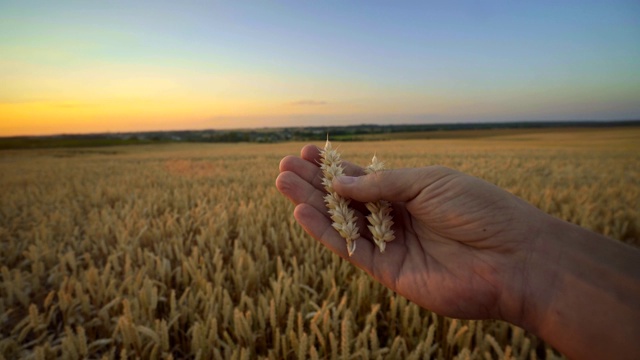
{"x": 380, "y": 217}
{"x": 344, "y": 219}
{"x": 229, "y": 248}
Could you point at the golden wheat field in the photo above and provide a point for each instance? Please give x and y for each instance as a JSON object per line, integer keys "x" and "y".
{"x": 189, "y": 251}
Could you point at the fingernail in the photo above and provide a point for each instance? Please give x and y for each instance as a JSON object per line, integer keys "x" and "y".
{"x": 346, "y": 180}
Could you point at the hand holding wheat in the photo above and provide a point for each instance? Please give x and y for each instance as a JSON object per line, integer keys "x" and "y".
{"x": 453, "y": 232}
{"x": 465, "y": 248}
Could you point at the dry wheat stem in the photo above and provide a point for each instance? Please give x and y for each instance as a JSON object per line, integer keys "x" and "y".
{"x": 343, "y": 217}
{"x": 380, "y": 219}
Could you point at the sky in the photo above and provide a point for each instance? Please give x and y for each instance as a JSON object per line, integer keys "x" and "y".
{"x": 122, "y": 66}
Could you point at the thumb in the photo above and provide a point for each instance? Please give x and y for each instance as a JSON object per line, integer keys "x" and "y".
{"x": 398, "y": 185}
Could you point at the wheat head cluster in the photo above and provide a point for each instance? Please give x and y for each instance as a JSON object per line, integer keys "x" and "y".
{"x": 189, "y": 251}
{"x": 344, "y": 219}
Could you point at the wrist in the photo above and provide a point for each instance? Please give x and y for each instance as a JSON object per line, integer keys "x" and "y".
{"x": 524, "y": 272}
{"x": 534, "y": 276}
{"x": 540, "y": 273}
{"x": 569, "y": 277}
{"x": 530, "y": 276}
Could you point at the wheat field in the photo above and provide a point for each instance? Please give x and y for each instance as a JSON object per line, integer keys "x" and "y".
{"x": 189, "y": 251}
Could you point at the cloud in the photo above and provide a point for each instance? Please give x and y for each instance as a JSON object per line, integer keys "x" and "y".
{"x": 308, "y": 103}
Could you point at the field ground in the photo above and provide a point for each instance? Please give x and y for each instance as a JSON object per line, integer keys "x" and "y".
{"x": 581, "y": 133}
{"x": 188, "y": 250}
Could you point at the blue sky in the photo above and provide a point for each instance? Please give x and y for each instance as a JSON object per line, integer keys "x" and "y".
{"x": 126, "y": 66}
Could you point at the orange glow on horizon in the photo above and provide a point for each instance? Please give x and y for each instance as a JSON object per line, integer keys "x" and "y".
{"x": 149, "y": 114}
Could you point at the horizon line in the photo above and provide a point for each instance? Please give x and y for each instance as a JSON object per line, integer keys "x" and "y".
{"x": 546, "y": 123}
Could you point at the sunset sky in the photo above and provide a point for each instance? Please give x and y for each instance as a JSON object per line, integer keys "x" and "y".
{"x": 120, "y": 66}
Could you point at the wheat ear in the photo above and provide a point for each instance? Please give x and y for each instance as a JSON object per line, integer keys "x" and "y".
{"x": 380, "y": 217}
{"x": 344, "y": 219}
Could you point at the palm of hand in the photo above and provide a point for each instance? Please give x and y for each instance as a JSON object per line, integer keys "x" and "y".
{"x": 452, "y": 246}
{"x": 452, "y": 253}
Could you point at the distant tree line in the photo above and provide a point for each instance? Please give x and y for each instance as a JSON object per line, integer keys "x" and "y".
{"x": 271, "y": 135}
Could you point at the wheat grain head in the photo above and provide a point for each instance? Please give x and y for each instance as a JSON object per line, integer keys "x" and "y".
{"x": 344, "y": 219}
{"x": 380, "y": 219}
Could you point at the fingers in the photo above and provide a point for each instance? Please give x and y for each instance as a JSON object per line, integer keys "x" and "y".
{"x": 400, "y": 185}
{"x": 311, "y": 153}
{"x": 299, "y": 190}
{"x": 306, "y": 170}
{"x": 319, "y": 226}
{"x": 307, "y": 167}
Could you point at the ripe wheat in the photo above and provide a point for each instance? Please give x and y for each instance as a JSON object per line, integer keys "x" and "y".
{"x": 380, "y": 217}
{"x": 343, "y": 217}
{"x": 173, "y": 252}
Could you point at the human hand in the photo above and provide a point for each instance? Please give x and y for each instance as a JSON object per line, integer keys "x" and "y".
{"x": 461, "y": 243}
{"x": 465, "y": 248}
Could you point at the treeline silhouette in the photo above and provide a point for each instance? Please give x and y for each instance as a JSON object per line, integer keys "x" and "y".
{"x": 270, "y": 135}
